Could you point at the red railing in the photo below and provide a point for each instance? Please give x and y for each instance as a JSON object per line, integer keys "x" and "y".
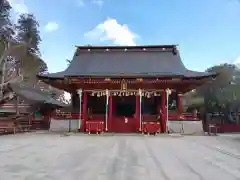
{"x": 171, "y": 117}
{"x": 150, "y": 124}
{"x": 183, "y": 117}
{"x": 228, "y": 128}
{"x": 218, "y": 120}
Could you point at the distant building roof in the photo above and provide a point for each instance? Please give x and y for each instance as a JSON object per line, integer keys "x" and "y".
{"x": 35, "y": 95}
{"x": 127, "y": 61}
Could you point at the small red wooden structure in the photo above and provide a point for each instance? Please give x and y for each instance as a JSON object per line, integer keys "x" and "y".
{"x": 25, "y": 102}
{"x": 127, "y": 89}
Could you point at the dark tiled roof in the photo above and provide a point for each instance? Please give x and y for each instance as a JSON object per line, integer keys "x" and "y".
{"x": 136, "y": 61}
{"x": 8, "y": 96}
{"x": 34, "y": 95}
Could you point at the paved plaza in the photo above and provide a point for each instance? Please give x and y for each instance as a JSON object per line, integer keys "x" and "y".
{"x": 34, "y": 156}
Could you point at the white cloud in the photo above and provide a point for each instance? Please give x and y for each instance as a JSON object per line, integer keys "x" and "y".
{"x": 18, "y": 6}
{"x": 98, "y": 2}
{"x": 237, "y": 61}
{"x": 51, "y": 26}
{"x": 80, "y": 3}
{"x": 111, "y": 30}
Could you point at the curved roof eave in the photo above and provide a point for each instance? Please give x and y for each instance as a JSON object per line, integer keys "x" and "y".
{"x": 35, "y": 95}
{"x": 196, "y": 74}
{"x": 188, "y": 74}
{"x": 149, "y": 63}
{"x": 58, "y": 75}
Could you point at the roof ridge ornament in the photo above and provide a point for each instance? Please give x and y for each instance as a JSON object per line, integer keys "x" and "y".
{"x": 175, "y": 50}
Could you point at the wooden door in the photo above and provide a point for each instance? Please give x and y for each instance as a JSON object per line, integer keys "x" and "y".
{"x": 123, "y": 125}
{"x": 123, "y": 120}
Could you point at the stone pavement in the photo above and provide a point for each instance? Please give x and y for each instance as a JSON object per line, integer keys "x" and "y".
{"x": 34, "y": 156}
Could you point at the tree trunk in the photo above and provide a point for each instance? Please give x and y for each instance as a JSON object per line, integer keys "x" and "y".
{"x": 3, "y": 78}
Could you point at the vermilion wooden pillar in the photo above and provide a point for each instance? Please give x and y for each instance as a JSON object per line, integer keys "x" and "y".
{"x": 137, "y": 113}
{"x": 164, "y": 111}
{"x": 179, "y": 105}
{"x": 84, "y": 111}
{"x": 110, "y": 114}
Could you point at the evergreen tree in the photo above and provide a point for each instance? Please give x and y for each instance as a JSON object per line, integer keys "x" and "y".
{"x": 6, "y": 27}
{"x": 28, "y": 32}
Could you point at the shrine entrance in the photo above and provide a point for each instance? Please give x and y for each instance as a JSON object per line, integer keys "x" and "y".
{"x": 124, "y": 114}
{"x": 121, "y": 111}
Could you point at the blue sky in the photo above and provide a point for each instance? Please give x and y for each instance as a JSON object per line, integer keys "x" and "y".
{"x": 207, "y": 31}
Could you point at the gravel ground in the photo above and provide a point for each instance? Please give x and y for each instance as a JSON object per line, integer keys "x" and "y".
{"x": 51, "y": 156}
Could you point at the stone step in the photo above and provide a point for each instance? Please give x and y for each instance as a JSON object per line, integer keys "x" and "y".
{"x": 186, "y": 127}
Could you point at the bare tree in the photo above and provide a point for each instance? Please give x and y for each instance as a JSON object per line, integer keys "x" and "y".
{"x": 19, "y": 51}
{"x": 14, "y": 55}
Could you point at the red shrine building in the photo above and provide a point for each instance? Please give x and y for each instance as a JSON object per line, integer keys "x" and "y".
{"x": 126, "y": 88}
